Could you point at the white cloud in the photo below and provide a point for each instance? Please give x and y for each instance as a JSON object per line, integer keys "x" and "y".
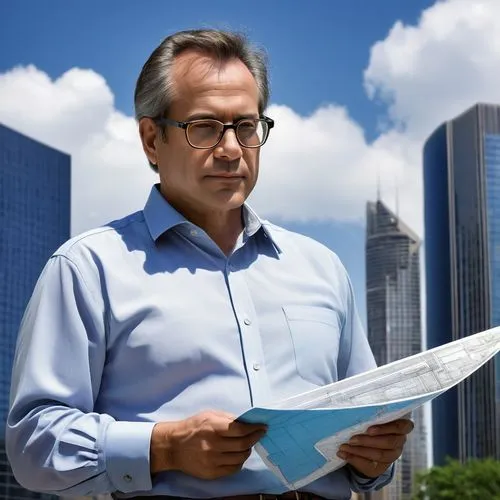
{"x": 433, "y": 71}
{"x": 314, "y": 167}
{"x": 321, "y": 167}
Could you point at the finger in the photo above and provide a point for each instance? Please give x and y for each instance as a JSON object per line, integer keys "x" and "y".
{"x": 373, "y": 454}
{"x": 234, "y": 428}
{"x": 384, "y": 442}
{"x": 235, "y": 444}
{"x": 239, "y": 429}
{"x": 369, "y": 468}
{"x": 401, "y": 426}
{"x": 224, "y": 414}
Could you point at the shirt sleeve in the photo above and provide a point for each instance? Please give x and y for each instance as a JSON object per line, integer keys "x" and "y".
{"x": 355, "y": 356}
{"x": 55, "y": 441}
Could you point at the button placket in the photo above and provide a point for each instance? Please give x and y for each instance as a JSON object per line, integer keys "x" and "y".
{"x": 250, "y": 336}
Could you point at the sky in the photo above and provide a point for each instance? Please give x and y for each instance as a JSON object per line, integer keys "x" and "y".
{"x": 357, "y": 86}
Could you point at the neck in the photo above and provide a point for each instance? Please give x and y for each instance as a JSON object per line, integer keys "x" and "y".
{"x": 224, "y": 227}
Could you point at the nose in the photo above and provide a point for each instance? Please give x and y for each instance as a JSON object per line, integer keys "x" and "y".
{"x": 228, "y": 148}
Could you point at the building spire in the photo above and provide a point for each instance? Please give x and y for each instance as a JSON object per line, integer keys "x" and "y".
{"x": 378, "y": 184}
{"x": 397, "y": 198}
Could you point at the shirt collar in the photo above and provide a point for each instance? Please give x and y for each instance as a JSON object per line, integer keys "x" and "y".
{"x": 253, "y": 224}
{"x": 160, "y": 217}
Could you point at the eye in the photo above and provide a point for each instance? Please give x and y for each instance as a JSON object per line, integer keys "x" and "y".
{"x": 247, "y": 125}
{"x": 208, "y": 125}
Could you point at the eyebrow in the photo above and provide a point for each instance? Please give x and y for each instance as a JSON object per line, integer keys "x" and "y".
{"x": 205, "y": 116}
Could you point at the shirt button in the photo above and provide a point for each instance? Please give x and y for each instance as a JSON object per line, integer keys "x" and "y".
{"x": 256, "y": 367}
{"x": 247, "y": 321}
{"x": 193, "y": 232}
{"x": 127, "y": 478}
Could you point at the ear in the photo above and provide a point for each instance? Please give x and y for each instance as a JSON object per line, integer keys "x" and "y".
{"x": 148, "y": 132}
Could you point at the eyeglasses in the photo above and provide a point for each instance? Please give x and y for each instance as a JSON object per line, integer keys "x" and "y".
{"x": 207, "y": 133}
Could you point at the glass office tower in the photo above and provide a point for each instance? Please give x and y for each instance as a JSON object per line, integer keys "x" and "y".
{"x": 462, "y": 234}
{"x": 34, "y": 221}
{"x": 394, "y": 321}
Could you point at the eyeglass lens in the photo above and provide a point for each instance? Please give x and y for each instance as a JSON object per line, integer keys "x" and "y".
{"x": 207, "y": 133}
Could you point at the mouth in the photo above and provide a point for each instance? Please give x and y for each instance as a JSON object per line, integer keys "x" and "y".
{"x": 226, "y": 177}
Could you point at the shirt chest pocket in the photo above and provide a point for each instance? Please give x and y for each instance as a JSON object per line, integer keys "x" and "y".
{"x": 315, "y": 335}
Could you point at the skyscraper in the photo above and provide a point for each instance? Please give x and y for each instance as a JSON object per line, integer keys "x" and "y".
{"x": 34, "y": 221}
{"x": 462, "y": 233}
{"x": 394, "y": 320}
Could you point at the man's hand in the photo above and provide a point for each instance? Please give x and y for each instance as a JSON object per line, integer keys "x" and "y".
{"x": 372, "y": 453}
{"x": 208, "y": 445}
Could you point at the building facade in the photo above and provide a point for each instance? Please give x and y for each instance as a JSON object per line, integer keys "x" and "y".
{"x": 462, "y": 234}
{"x": 394, "y": 321}
{"x": 34, "y": 221}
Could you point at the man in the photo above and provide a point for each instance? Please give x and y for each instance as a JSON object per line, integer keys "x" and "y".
{"x": 146, "y": 338}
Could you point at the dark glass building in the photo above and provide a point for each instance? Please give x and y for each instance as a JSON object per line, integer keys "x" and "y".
{"x": 462, "y": 235}
{"x": 34, "y": 222}
{"x": 394, "y": 321}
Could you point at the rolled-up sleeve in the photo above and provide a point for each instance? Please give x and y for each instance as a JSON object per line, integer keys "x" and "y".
{"x": 55, "y": 441}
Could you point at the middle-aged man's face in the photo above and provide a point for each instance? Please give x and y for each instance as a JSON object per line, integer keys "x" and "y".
{"x": 218, "y": 179}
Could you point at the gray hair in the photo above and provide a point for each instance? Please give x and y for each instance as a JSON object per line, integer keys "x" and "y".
{"x": 154, "y": 89}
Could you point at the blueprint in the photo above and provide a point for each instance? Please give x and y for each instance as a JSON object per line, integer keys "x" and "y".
{"x": 305, "y": 431}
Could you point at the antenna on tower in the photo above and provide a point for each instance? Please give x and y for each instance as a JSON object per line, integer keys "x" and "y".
{"x": 397, "y": 198}
{"x": 378, "y": 184}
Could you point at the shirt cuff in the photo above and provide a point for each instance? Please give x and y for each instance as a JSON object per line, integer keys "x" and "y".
{"x": 362, "y": 484}
{"x": 126, "y": 450}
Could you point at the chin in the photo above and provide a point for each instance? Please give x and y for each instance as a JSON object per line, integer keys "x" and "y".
{"x": 231, "y": 201}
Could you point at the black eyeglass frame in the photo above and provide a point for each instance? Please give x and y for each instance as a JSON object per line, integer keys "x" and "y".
{"x": 162, "y": 122}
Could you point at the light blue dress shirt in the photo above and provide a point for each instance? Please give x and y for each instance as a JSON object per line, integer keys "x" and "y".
{"x": 146, "y": 320}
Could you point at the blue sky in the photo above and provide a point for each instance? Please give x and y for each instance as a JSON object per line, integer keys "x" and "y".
{"x": 318, "y": 53}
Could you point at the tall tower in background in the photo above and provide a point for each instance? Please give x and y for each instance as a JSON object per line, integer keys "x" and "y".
{"x": 462, "y": 234}
{"x": 34, "y": 222}
{"x": 394, "y": 321}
